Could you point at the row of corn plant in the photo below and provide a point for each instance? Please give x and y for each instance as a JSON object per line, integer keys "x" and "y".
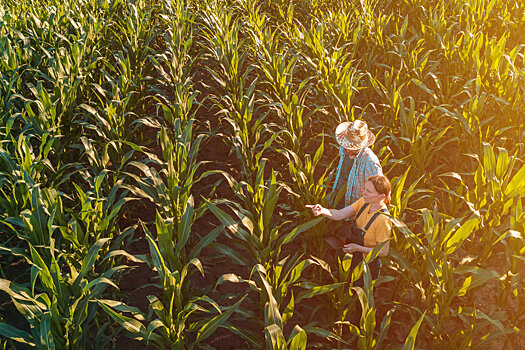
{"x": 241, "y": 108}
{"x": 178, "y": 317}
{"x": 260, "y": 244}
{"x": 64, "y": 212}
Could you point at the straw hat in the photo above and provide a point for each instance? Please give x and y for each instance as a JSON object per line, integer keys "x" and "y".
{"x": 354, "y": 135}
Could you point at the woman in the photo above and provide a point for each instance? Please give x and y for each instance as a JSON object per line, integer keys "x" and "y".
{"x": 371, "y": 226}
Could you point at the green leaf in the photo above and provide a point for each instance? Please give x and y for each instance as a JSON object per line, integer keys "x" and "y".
{"x": 299, "y": 229}
{"x": 297, "y": 270}
{"x": 25, "y": 304}
{"x": 288, "y": 311}
{"x": 274, "y": 338}
{"x": 422, "y": 86}
{"x": 90, "y": 258}
{"x": 185, "y": 223}
{"x": 478, "y": 278}
{"x": 230, "y": 277}
{"x": 195, "y": 262}
{"x": 38, "y": 219}
{"x": 45, "y": 274}
{"x": 121, "y": 307}
{"x": 209, "y": 327}
{"x": 461, "y": 234}
{"x": 165, "y": 242}
{"x": 158, "y": 259}
{"x": 509, "y": 233}
{"x": 318, "y": 290}
{"x": 323, "y": 333}
{"x": 271, "y": 196}
{"x": 98, "y": 181}
{"x": 480, "y": 315}
{"x": 98, "y": 280}
{"x": 231, "y": 224}
{"x": 271, "y": 308}
{"x": 15, "y": 334}
{"x": 134, "y": 258}
{"x": 385, "y": 325}
{"x": 204, "y": 242}
{"x": 516, "y": 186}
{"x": 298, "y": 339}
{"x": 237, "y": 258}
{"x": 410, "y": 341}
{"x": 131, "y": 325}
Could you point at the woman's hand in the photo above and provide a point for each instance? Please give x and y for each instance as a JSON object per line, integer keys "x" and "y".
{"x": 352, "y": 248}
{"x": 316, "y": 209}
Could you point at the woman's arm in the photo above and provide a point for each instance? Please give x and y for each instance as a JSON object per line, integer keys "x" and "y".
{"x": 352, "y": 248}
{"x": 333, "y": 214}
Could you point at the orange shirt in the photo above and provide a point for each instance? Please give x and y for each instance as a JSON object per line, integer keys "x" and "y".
{"x": 379, "y": 231}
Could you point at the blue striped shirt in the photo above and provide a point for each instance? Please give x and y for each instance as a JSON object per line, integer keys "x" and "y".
{"x": 365, "y": 165}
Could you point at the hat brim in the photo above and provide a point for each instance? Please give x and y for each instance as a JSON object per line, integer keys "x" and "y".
{"x": 344, "y": 142}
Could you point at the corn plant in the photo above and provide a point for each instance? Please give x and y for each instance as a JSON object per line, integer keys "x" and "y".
{"x": 274, "y": 322}
{"x": 133, "y": 32}
{"x": 69, "y": 69}
{"x": 96, "y": 218}
{"x": 96, "y": 221}
{"x": 495, "y": 190}
{"x": 18, "y": 172}
{"x": 434, "y": 252}
{"x": 174, "y": 64}
{"x": 10, "y": 78}
{"x": 257, "y": 246}
{"x": 343, "y": 295}
{"x": 337, "y": 76}
{"x": 59, "y": 315}
{"x": 278, "y": 65}
{"x": 225, "y": 50}
{"x": 497, "y": 187}
{"x": 277, "y": 302}
{"x": 176, "y": 324}
{"x": 59, "y": 303}
{"x": 310, "y": 189}
{"x": 401, "y": 196}
{"x": 366, "y": 338}
{"x": 174, "y": 184}
{"x": 236, "y": 98}
{"x": 113, "y": 144}
{"x": 258, "y": 240}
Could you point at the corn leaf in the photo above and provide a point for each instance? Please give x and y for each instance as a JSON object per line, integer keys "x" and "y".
{"x": 209, "y": 327}
{"x": 90, "y": 258}
{"x": 298, "y": 339}
{"x": 300, "y": 229}
{"x": 410, "y": 341}
{"x": 15, "y": 334}
{"x": 461, "y": 234}
{"x": 274, "y": 338}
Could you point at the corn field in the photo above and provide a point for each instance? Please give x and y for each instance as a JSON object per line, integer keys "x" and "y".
{"x": 156, "y": 157}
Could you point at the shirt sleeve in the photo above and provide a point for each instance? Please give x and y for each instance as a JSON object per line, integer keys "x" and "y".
{"x": 358, "y": 204}
{"x": 339, "y": 168}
